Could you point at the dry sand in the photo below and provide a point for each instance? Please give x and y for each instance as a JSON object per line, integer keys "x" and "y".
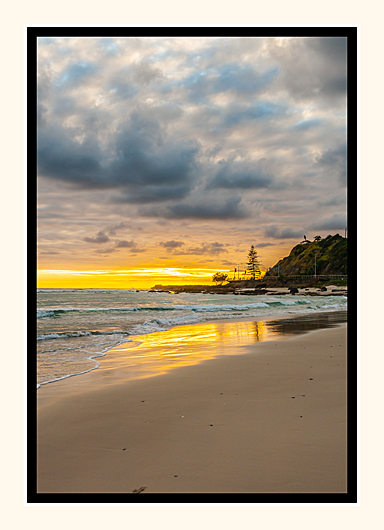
{"x": 271, "y": 417}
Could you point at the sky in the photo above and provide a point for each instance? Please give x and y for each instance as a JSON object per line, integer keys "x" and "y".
{"x": 162, "y": 160}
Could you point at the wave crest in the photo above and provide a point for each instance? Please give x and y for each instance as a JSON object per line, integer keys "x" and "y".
{"x": 74, "y": 334}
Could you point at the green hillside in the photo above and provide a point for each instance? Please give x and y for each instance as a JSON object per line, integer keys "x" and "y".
{"x": 331, "y": 258}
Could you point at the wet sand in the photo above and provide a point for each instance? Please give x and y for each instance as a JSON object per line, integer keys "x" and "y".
{"x": 257, "y": 417}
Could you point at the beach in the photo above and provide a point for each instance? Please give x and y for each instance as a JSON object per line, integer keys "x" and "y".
{"x": 251, "y": 416}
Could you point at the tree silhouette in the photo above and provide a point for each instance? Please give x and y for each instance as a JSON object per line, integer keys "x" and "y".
{"x": 219, "y": 277}
{"x": 253, "y": 263}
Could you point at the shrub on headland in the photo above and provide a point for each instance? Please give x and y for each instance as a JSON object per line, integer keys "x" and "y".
{"x": 219, "y": 277}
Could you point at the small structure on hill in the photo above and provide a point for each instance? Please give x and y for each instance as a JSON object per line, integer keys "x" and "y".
{"x": 305, "y": 240}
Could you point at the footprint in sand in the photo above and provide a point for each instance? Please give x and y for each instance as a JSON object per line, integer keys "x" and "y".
{"x": 139, "y": 490}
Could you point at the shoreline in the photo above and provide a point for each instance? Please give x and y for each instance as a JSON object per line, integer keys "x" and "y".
{"x": 134, "y": 339}
{"x": 265, "y": 418}
{"x": 306, "y": 289}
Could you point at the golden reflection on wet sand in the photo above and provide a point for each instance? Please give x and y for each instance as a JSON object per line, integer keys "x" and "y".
{"x": 162, "y": 351}
{"x": 157, "y": 353}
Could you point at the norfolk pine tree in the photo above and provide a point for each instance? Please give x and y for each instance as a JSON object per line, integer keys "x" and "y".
{"x": 253, "y": 263}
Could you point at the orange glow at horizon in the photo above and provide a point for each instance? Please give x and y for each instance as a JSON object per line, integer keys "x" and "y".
{"x": 135, "y": 278}
{"x": 124, "y": 279}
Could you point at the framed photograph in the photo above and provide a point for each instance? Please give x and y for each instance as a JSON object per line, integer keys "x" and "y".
{"x": 193, "y": 241}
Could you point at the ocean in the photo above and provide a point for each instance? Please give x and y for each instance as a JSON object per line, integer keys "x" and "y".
{"x": 77, "y": 326}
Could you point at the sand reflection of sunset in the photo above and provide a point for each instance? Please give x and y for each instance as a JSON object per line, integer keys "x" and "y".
{"x": 184, "y": 346}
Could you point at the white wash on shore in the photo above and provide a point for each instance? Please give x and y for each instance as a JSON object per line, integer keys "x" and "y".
{"x": 77, "y": 326}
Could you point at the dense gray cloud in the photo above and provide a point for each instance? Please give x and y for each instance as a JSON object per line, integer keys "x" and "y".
{"x": 125, "y": 244}
{"x": 77, "y": 73}
{"x": 60, "y": 156}
{"x": 216, "y": 210}
{"x": 100, "y": 238}
{"x": 146, "y": 156}
{"x": 241, "y": 175}
{"x": 334, "y": 159}
{"x": 147, "y": 165}
{"x": 171, "y": 245}
{"x": 241, "y": 79}
{"x": 263, "y": 245}
{"x": 312, "y": 68}
{"x": 277, "y": 232}
{"x": 249, "y": 132}
{"x": 132, "y": 245}
{"x": 108, "y": 250}
{"x": 337, "y": 221}
{"x": 208, "y": 248}
{"x": 112, "y": 229}
{"x": 204, "y": 249}
{"x": 124, "y": 83}
{"x": 229, "y": 210}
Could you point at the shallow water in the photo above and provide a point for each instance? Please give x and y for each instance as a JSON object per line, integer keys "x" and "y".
{"x": 76, "y": 326}
{"x": 158, "y": 353}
